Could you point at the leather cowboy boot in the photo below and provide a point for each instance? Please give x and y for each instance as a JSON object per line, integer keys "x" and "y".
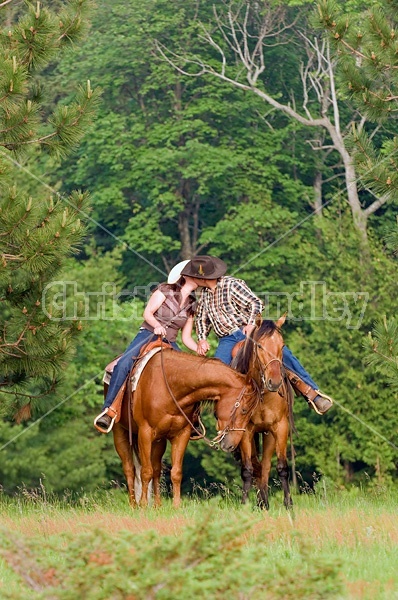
{"x": 105, "y": 420}
{"x": 319, "y": 401}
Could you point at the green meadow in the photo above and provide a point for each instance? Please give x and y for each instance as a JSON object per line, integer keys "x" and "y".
{"x": 335, "y": 544}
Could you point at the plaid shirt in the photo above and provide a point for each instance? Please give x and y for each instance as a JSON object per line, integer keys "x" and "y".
{"x": 231, "y": 306}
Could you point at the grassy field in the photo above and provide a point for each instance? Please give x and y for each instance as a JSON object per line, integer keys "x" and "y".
{"x": 334, "y": 545}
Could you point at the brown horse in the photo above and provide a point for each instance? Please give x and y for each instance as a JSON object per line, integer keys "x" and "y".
{"x": 168, "y": 392}
{"x": 261, "y": 359}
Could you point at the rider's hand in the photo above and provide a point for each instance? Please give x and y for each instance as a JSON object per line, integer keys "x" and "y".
{"x": 203, "y": 347}
{"x": 160, "y": 331}
{"x": 248, "y": 329}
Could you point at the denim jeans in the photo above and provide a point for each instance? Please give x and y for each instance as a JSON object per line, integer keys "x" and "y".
{"x": 293, "y": 364}
{"x": 225, "y": 345}
{"x": 126, "y": 361}
{"x": 224, "y": 353}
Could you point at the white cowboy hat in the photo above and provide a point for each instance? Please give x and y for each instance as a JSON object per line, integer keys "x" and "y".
{"x": 175, "y": 272}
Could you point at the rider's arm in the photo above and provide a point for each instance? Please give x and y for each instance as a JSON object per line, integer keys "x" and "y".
{"x": 155, "y": 302}
{"x": 244, "y": 297}
{"x": 186, "y": 335}
{"x": 203, "y": 324}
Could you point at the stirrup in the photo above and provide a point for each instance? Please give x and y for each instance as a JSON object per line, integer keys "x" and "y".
{"x": 312, "y": 403}
{"x": 104, "y": 412}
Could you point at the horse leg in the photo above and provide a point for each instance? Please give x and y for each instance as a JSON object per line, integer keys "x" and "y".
{"x": 281, "y": 437}
{"x": 246, "y": 470}
{"x": 268, "y": 451}
{"x": 178, "y": 447}
{"x": 145, "y": 453}
{"x": 158, "y": 449}
{"x": 123, "y": 448}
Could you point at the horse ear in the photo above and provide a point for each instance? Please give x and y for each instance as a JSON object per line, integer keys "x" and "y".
{"x": 258, "y": 320}
{"x": 281, "y": 320}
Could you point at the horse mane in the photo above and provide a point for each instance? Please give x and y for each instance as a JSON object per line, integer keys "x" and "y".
{"x": 243, "y": 358}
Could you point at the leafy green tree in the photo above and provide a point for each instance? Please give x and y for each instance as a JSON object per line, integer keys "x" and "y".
{"x": 243, "y": 34}
{"x": 382, "y": 343}
{"x": 367, "y": 55}
{"x": 47, "y": 446}
{"x": 186, "y": 150}
{"x": 170, "y": 154}
{"x": 366, "y": 48}
{"x": 332, "y": 298}
{"x": 36, "y": 234}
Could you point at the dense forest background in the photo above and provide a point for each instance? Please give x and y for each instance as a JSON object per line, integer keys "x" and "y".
{"x": 231, "y": 129}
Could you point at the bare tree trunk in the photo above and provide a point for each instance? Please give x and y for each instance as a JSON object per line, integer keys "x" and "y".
{"x": 185, "y": 237}
{"x": 317, "y": 185}
{"x": 348, "y": 471}
{"x": 358, "y": 214}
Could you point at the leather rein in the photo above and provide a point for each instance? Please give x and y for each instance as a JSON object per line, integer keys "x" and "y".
{"x": 220, "y": 434}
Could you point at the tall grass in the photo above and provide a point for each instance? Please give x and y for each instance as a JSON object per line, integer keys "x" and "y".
{"x": 335, "y": 544}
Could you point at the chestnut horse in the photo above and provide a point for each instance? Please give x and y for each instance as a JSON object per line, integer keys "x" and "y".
{"x": 168, "y": 392}
{"x": 261, "y": 358}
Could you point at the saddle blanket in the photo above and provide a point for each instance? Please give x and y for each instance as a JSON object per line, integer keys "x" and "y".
{"x": 139, "y": 367}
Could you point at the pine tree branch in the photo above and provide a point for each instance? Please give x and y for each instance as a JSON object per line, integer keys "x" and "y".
{"x": 5, "y": 3}
{"x": 16, "y": 343}
{"x": 11, "y": 256}
{"x": 75, "y": 21}
{"x": 10, "y": 231}
{"x": 353, "y": 50}
{"x": 30, "y": 396}
{"x": 386, "y": 358}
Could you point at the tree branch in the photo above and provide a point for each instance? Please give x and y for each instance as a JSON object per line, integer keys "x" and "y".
{"x": 310, "y": 122}
{"x": 369, "y": 210}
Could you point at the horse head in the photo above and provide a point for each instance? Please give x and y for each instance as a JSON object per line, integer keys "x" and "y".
{"x": 233, "y": 415}
{"x": 268, "y": 346}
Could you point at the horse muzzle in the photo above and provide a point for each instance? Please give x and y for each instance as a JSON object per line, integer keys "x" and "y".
{"x": 273, "y": 386}
{"x": 228, "y": 440}
{"x": 227, "y": 446}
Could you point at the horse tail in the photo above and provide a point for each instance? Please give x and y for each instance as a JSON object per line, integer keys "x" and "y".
{"x": 136, "y": 453}
{"x": 137, "y": 477}
{"x": 137, "y": 470}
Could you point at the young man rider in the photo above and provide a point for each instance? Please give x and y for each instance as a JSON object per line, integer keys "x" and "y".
{"x": 228, "y": 305}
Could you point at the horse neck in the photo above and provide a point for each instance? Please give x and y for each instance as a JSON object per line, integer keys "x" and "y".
{"x": 213, "y": 373}
{"x": 210, "y": 378}
{"x": 254, "y": 371}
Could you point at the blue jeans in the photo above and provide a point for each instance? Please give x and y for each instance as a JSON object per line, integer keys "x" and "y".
{"x": 225, "y": 345}
{"x": 126, "y": 361}
{"x": 224, "y": 353}
{"x": 293, "y": 364}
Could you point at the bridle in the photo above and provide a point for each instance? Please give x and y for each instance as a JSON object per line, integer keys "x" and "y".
{"x": 263, "y": 368}
{"x": 223, "y": 432}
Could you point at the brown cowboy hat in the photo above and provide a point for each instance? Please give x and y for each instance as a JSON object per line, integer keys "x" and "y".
{"x": 205, "y": 267}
